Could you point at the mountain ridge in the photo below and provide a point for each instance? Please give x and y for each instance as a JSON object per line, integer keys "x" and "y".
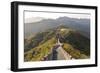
{"x": 82, "y": 25}
{"x": 78, "y": 48}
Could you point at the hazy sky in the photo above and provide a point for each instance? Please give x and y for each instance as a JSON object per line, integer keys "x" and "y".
{"x": 37, "y": 16}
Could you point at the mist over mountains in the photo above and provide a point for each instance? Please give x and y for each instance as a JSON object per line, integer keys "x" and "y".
{"x": 33, "y": 19}
{"x": 81, "y": 25}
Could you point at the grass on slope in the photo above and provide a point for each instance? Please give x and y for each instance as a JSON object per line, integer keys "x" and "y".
{"x": 77, "y": 40}
{"x": 39, "y": 52}
{"x": 73, "y": 52}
